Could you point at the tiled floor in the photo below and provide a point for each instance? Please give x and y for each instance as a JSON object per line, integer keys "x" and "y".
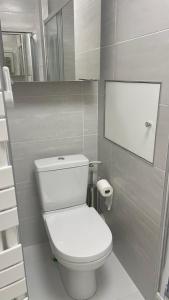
{"x": 113, "y": 283}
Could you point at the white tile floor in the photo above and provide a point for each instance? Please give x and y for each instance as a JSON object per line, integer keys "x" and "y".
{"x": 113, "y": 283}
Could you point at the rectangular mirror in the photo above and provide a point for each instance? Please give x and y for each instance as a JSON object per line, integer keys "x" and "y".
{"x": 47, "y": 40}
{"x": 19, "y": 55}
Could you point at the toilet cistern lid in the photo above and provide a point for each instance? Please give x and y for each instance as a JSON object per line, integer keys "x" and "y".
{"x": 61, "y": 162}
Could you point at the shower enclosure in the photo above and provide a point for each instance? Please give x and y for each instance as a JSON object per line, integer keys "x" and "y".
{"x": 59, "y": 44}
{"x": 54, "y": 47}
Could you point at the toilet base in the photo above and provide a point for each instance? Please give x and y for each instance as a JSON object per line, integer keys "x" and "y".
{"x": 80, "y": 285}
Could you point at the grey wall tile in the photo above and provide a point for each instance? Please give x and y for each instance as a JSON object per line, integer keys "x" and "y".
{"x": 48, "y": 120}
{"x": 68, "y": 41}
{"x": 47, "y": 88}
{"x": 162, "y": 138}
{"x": 30, "y": 216}
{"x": 145, "y": 59}
{"x": 20, "y": 6}
{"x": 24, "y": 154}
{"x": 18, "y": 15}
{"x": 108, "y": 22}
{"x": 45, "y": 148}
{"x": 42, "y": 125}
{"x": 105, "y": 155}
{"x": 127, "y": 54}
{"x": 108, "y": 62}
{"x": 133, "y": 258}
{"x": 101, "y": 107}
{"x": 90, "y": 114}
{"x": 90, "y": 146}
{"x": 46, "y": 103}
{"x": 142, "y": 183}
{"x": 32, "y": 231}
{"x": 136, "y": 18}
{"x": 88, "y": 65}
{"x": 23, "y": 171}
{"x": 25, "y": 21}
{"x": 90, "y": 88}
{"x": 56, "y": 5}
{"x": 87, "y": 13}
{"x": 136, "y": 214}
{"x": 28, "y": 200}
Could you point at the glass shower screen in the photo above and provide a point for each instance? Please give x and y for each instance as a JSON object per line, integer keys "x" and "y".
{"x": 54, "y": 48}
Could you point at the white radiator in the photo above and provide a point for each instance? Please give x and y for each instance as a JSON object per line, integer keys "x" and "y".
{"x": 12, "y": 273}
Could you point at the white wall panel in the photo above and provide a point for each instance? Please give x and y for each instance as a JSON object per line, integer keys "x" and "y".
{"x": 129, "y": 105}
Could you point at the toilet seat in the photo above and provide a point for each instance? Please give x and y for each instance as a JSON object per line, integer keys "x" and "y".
{"x": 78, "y": 234}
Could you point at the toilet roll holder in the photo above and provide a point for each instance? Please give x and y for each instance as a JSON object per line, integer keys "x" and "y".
{"x": 109, "y": 202}
{"x": 105, "y": 189}
{"x": 94, "y": 163}
{"x": 93, "y": 197}
{"x": 93, "y": 168}
{"x": 93, "y": 182}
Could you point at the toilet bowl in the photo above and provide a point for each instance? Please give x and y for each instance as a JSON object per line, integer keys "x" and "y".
{"x": 80, "y": 240}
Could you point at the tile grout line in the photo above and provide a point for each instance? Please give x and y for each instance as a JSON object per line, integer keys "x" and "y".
{"x": 135, "y": 38}
{"x": 46, "y": 140}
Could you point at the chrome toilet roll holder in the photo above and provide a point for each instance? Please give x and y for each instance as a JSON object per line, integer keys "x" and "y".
{"x": 92, "y": 192}
{"x": 93, "y": 182}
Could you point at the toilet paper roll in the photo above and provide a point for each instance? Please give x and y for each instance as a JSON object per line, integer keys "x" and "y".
{"x": 104, "y": 188}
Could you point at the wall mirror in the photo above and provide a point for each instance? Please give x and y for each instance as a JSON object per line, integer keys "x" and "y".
{"x": 47, "y": 40}
{"x": 19, "y": 55}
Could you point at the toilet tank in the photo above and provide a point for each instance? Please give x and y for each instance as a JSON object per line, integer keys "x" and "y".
{"x": 62, "y": 181}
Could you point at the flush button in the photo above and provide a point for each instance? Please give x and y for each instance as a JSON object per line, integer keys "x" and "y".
{"x": 61, "y": 158}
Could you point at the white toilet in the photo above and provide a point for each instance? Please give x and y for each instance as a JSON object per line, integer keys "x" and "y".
{"x": 79, "y": 238}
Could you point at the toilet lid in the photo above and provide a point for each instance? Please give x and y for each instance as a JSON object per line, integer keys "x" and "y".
{"x": 79, "y": 234}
